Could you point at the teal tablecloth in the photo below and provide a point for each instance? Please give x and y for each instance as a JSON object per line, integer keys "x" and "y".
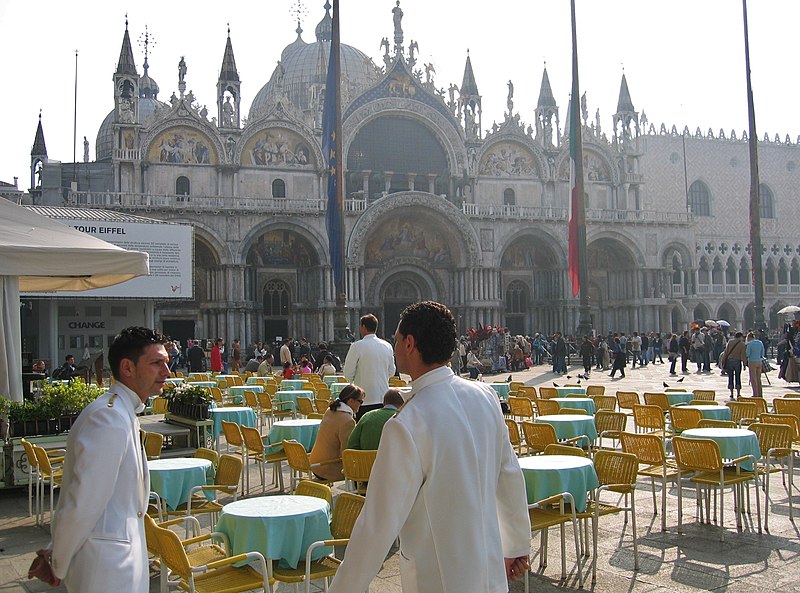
{"x": 173, "y": 479}
{"x": 565, "y": 391}
{"x": 548, "y": 475}
{"x": 331, "y": 379}
{"x": 337, "y": 387}
{"x": 733, "y": 442}
{"x": 292, "y": 383}
{"x": 240, "y": 389}
{"x": 712, "y": 412}
{"x": 502, "y": 389}
{"x": 257, "y": 380}
{"x": 280, "y": 527}
{"x": 568, "y": 426}
{"x": 576, "y": 403}
{"x": 302, "y": 431}
{"x": 240, "y": 415}
{"x": 679, "y": 397}
{"x": 203, "y": 383}
{"x": 291, "y": 395}
{"x": 175, "y": 380}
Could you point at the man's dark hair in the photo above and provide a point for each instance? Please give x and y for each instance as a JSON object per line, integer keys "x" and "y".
{"x": 130, "y": 343}
{"x": 393, "y": 397}
{"x": 370, "y": 322}
{"x": 434, "y": 328}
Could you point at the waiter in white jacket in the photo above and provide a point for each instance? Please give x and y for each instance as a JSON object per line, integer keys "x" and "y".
{"x": 369, "y": 364}
{"x": 98, "y": 541}
{"x": 445, "y": 479}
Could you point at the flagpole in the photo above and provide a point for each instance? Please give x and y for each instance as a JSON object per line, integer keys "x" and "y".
{"x": 755, "y": 197}
{"x": 341, "y": 332}
{"x": 75, "y": 130}
{"x": 579, "y": 202}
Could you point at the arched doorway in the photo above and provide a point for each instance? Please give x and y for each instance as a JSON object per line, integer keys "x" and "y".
{"x": 400, "y": 291}
{"x": 516, "y": 298}
{"x": 276, "y": 310}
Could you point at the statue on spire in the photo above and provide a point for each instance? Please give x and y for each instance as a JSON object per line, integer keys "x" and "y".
{"x": 182, "y": 76}
{"x": 397, "y": 13}
{"x": 510, "y": 100}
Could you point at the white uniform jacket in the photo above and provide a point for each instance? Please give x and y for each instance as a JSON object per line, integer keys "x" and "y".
{"x": 369, "y": 364}
{"x": 447, "y": 481}
{"x": 98, "y": 537}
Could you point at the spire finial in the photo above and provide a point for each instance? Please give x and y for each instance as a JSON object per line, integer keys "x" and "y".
{"x": 147, "y": 41}
{"x": 229, "y": 29}
{"x": 299, "y": 12}
{"x": 40, "y": 114}
{"x": 126, "y": 21}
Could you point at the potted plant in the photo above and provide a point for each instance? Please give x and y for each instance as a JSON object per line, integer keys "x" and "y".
{"x": 189, "y": 401}
{"x": 53, "y": 412}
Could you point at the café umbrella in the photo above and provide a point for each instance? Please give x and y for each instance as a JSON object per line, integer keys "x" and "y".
{"x": 38, "y": 254}
{"x": 789, "y": 310}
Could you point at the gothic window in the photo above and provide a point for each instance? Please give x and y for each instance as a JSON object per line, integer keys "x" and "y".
{"x": 182, "y": 186}
{"x": 703, "y": 273}
{"x": 279, "y": 188}
{"x": 716, "y": 273}
{"x": 516, "y": 298}
{"x": 769, "y": 272}
{"x": 699, "y": 199}
{"x": 794, "y": 274}
{"x": 730, "y": 272}
{"x": 509, "y": 198}
{"x": 783, "y": 273}
{"x": 276, "y": 299}
{"x": 767, "y": 208}
{"x": 744, "y": 273}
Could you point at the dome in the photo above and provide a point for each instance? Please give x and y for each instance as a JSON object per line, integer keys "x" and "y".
{"x": 104, "y": 144}
{"x": 305, "y": 64}
{"x": 148, "y": 88}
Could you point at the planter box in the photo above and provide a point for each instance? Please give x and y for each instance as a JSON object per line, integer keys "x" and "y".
{"x": 17, "y": 467}
{"x": 27, "y": 428}
{"x": 190, "y": 411}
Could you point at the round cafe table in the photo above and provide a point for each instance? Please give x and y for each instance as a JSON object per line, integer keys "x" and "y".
{"x": 548, "y": 475}
{"x": 568, "y": 426}
{"x": 303, "y": 431}
{"x": 203, "y": 383}
{"x": 259, "y": 380}
{"x": 502, "y": 389}
{"x": 280, "y": 527}
{"x": 331, "y": 379}
{"x": 173, "y": 479}
{"x": 576, "y": 403}
{"x": 337, "y": 387}
{"x": 712, "y": 412}
{"x": 291, "y": 395}
{"x": 679, "y": 397}
{"x": 292, "y": 384}
{"x": 175, "y": 380}
{"x": 565, "y": 391}
{"x": 238, "y": 414}
{"x": 733, "y": 442}
{"x": 240, "y": 389}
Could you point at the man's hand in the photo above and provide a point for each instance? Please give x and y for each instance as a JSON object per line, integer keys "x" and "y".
{"x": 42, "y": 570}
{"x": 516, "y": 567}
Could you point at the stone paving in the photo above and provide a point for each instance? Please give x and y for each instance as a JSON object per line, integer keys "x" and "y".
{"x": 692, "y": 561}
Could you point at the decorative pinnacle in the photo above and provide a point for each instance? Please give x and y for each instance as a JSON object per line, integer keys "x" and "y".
{"x": 146, "y": 40}
{"x": 126, "y": 21}
{"x": 299, "y": 12}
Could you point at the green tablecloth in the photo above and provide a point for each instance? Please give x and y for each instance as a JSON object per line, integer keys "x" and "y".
{"x": 565, "y": 391}
{"x": 302, "y": 431}
{"x": 679, "y": 397}
{"x": 576, "y": 403}
{"x": 280, "y": 527}
{"x": 548, "y": 475}
{"x": 733, "y": 442}
{"x": 712, "y": 412}
{"x": 240, "y": 415}
{"x": 568, "y": 426}
{"x": 173, "y": 479}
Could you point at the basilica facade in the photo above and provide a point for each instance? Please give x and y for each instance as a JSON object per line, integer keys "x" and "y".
{"x": 439, "y": 204}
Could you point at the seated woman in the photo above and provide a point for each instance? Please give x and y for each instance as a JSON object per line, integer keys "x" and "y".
{"x": 288, "y": 370}
{"x": 327, "y": 367}
{"x": 305, "y": 366}
{"x": 334, "y": 430}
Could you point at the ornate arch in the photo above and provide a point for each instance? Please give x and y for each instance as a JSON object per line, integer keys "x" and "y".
{"x": 450, "y": 137}
{"x": 590, "y": 150}
{"x": 317, "y": 242}
{"x": 538, "y": 237}
{"x": 251, "y": 134}
{"x": 403, "y": 267}
{"x": 623, "y": 240}
{"x": 683, "y": 251}
{"x": 356, "y": 248}
{"x": 496, "y": 142}
{"x": 210, "y": 236}
{"x": 187, "y": 123}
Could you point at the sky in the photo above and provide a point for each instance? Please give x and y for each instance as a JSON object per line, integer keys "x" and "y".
{"x": 683, "y": 59}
